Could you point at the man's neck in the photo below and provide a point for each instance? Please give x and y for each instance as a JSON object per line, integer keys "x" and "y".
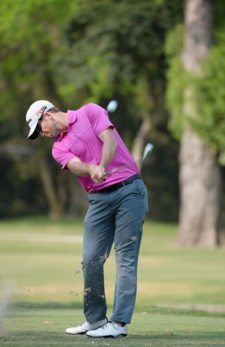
{"x": 62, "y": 121}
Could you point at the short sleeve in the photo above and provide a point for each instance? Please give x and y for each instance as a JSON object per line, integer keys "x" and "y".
{"x": 98, "y": 118}
{"x": 62, "y": 156}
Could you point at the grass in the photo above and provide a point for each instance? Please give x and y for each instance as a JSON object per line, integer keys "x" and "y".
{"x": 41, "y": 259}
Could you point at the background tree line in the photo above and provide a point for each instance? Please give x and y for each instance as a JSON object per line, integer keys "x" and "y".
{"x": 74, "y": 52}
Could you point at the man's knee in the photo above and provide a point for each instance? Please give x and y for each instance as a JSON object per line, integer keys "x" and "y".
{"x": 93, "y": 262}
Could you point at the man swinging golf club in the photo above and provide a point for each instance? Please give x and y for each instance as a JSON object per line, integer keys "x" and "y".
{"x": 86, "y": 143}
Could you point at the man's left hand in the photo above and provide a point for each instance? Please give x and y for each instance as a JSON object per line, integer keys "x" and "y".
{"x": 97, "y": 173}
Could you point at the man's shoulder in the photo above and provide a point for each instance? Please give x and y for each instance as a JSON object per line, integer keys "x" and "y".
{"x": 88, "y": 108}
{"x": 57, "y": 146}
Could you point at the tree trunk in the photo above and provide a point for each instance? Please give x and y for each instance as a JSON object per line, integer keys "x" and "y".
{"x": 139, "y": 141}
{"x": 200, "y": 179}
{"x": 78, "y": 203}
{"x": 200, "y": 191}
{"x": 54, "y": 204}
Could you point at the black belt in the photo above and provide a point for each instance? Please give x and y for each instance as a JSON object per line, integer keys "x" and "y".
{"x": 119, "y": 185}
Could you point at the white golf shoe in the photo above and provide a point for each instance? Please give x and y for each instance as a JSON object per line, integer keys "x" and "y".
{"x": 110, "y": 329}
{"x": 83, "y": 328}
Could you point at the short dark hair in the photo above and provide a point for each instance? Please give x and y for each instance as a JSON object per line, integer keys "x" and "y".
{"x": 54, "y": 110}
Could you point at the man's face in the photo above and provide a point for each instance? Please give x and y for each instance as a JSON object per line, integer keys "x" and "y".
{"x": 48, "y": 126}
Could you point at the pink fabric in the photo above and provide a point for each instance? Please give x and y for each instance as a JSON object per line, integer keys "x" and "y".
{"x": 82, "y": 140}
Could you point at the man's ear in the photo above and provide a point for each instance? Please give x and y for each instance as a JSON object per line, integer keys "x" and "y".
{"x": 48, "y": 115}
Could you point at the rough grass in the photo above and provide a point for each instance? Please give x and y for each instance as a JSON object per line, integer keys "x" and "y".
{"x": 45, "y": 273}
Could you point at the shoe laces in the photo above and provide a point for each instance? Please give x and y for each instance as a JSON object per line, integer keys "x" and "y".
{"x": 108, "y": 324}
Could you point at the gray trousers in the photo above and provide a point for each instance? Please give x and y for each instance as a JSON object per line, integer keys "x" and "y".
{"x": 117, "y": 217}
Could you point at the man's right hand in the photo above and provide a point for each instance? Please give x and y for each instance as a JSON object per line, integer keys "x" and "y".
{"x": 97, "y": 173}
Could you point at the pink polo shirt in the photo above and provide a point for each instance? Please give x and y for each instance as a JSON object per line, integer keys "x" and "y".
{"x": 82, "y": 140}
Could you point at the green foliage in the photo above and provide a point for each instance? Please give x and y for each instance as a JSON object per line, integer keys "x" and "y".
{"x": 91, "y": 49}
{"x": 72, "y": 52}
{"x": 112, "y": 45}
{"x": 176, "y": 77}
{"x": 208, "y": 92}
{"x": 210, "y": 120}
{"x": 29, "y": 35}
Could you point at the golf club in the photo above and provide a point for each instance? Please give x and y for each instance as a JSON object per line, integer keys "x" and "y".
{"x": 148, "y": 148}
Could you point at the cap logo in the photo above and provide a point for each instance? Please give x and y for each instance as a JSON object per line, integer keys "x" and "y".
{"x": 42, "y": 110}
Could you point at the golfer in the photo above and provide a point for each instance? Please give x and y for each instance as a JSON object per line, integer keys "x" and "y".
{"x": 86, "y": 143}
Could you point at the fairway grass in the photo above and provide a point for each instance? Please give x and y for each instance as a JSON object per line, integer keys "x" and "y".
{"x": 40, "y": 260}
{"x": 45, "y": 327}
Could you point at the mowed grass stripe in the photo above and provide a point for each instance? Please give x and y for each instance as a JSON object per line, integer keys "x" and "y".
{"x": 40, "y": 237}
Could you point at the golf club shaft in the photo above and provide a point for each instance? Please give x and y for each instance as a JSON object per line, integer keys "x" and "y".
{"x": 123, "y": 166}
{"x": 148, "y": 148}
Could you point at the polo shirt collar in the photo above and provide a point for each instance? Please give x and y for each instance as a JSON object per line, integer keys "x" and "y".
{"x": 72, "y": 117}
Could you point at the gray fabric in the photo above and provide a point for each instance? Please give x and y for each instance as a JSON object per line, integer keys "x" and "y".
{"x": 116, "y": 217}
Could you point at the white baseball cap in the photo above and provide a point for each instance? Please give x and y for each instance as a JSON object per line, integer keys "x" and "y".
{"x": 34, "y": 113}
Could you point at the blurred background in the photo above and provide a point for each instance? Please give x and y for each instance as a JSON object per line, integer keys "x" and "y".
{"x": 162, "y": 60}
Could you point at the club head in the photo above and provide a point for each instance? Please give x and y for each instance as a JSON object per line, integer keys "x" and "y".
{"x": 112, "y": 106}
{"x": 148, "y": 148}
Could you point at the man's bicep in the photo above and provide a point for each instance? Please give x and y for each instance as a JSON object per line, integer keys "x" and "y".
{"x": 107, "y": 134}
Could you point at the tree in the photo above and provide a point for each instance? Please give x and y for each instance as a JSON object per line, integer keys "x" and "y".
{"x": 73, "y": 52}
{"x": 200, "y": 177}
{"x": 30, "y": 32}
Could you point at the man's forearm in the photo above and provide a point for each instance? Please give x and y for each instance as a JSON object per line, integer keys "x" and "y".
{"x": 79, "y": 168}
{"x": 96, "y": 172}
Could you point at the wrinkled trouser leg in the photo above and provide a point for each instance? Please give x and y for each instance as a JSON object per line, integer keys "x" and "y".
{"x": 128, "y": 233}
{"x": 97, "y": 243}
